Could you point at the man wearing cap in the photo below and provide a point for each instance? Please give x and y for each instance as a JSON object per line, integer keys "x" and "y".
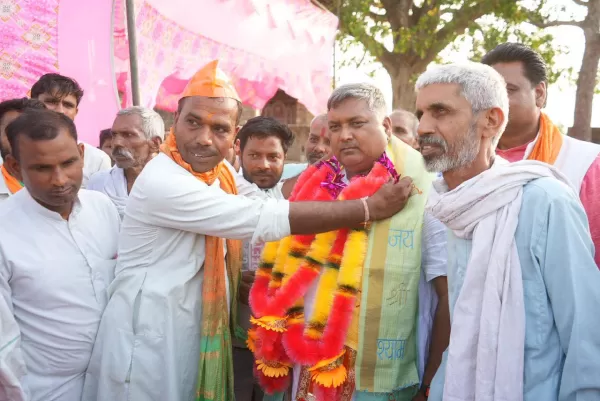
{"x": 166, "y": 332}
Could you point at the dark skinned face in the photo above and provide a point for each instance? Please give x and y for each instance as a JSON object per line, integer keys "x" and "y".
{"x": 262, "y": 161}
{"x": 51, "y": 170}
{"x": 66, "y": 105}
{"x": 205, "y": 129}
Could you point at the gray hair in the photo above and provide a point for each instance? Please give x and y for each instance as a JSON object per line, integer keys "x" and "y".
{"x": 481, "y": 85}
{"x": 152, "y": 123}
{"x": 371, "y": 94}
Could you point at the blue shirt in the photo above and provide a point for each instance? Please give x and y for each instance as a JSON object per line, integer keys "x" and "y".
{"x": 561, "y": 286}
{"x": 291, "y": 170}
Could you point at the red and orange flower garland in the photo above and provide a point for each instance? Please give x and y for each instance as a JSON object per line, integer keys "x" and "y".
{"x": 278, "y": 321}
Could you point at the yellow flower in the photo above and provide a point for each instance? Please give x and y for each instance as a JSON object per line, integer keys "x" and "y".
{"x": 272, "y": 368}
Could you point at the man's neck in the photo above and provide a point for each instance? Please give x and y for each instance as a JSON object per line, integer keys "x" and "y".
{"x": 456, "y": 177}
{"x": 131, "y": 174}
{"x": 518, "y": 136}
{"x": 64, "y": 211}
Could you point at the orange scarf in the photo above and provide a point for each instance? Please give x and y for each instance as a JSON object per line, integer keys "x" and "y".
{"x": 12, "y": 183}
{"x": 215, "y": 373}
{"x": 549, "y": 142}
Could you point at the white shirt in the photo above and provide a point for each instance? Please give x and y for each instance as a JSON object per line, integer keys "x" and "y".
{"x": 148, "y": 344}
{"x": 54, "y": 276}
{"x": 113, "y": 184}
{"x": 4, "y": 192}
{"x": 94, "y": 160}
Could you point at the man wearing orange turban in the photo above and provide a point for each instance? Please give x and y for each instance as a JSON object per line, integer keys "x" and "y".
{"x": 166, "y": 332}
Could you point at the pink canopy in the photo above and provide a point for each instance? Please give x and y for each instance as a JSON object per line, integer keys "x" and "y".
{"x": 283, "y": 44}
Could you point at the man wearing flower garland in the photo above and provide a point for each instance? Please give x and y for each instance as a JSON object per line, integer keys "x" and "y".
{"x": 165, "y": 334}
{"x": 523, "y": 282}
{"x": 400, "y": 324}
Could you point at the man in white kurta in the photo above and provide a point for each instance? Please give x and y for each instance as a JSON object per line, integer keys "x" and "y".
{"x": 54, "y": 275}
{"x": 148, "y": 344}
{"x": 137, "y": 132}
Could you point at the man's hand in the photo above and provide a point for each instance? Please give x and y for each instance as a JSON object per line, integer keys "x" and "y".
{"x": 245, "y": 285}
{"x": 419, "y": 397}
{"x": 389, "y": 199}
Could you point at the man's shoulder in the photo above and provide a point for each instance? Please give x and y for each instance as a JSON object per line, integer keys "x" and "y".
{"x": 96, "y": 200}
{"x": 548, "y": 189}
{"x": 98, "y": 179}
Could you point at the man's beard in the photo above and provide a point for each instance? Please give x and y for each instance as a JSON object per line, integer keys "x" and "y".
{"x": 249, "y": 178}
{"x": 455, "y": 156}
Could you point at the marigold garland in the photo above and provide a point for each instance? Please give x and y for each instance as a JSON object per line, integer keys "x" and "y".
{"x": 289, "y": 268}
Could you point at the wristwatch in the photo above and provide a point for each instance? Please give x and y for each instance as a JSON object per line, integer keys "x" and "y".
{"x": 425, "y": 390}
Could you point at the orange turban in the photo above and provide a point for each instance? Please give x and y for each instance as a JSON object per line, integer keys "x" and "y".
{"x": 210, "y": 81}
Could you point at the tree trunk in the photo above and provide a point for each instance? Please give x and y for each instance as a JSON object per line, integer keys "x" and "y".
{"x": 588, "y": 74}
{"x": 403, "y": 86}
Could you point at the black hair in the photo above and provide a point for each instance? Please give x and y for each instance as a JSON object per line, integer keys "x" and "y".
{"x": 57, "y": 84}
{"x": 105, "y": 135}
{"x": 533, "y": 63}
{"x": 239, "y": 106}
{"x": 19, "y": 105}
{"x": 38, "y": 125}
{"x": 264, "y": 127}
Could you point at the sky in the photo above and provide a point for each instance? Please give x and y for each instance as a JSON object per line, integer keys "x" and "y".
{"x": 561, "y": 95}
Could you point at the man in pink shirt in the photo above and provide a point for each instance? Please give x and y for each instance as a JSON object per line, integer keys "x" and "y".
{"x": 531, "y": 135}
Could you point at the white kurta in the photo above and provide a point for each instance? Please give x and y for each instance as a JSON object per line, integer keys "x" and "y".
{"x": 148, "y": 343}
{"x": 4, "y": 192}
{"x": 54, "y": 276}
{"x": 94, "y": 160}
{"x": 113, "y": 184}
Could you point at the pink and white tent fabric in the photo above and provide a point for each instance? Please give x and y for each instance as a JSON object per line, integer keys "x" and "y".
{"x": 263, "y": 45}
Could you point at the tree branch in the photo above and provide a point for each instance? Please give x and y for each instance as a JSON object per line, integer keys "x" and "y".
{"x": 379, "y": 18}
{"x": 549, "y": 24}
{"x": 418, "y": 12}
{"x": 581, "y": 3}
{"x": 460, "y": 21}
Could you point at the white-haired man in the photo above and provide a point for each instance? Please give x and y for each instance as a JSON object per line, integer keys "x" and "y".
{"x": 523, "y": 284}
{"x": 404, "y": 126}
{"x": 137, "y": 133}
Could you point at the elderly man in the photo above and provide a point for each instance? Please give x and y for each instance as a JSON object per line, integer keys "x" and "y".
{"x": 317, "y": 146}
{"x": 58, "y": 246}
{"x": 165, "y": 334}
{"x": 523, "y": 283}
{"x": 63, "y": 95}
{"x": 530, "y": 134}
{"x": 404, "y": 126}
{"x": 9, "y": 111}
{"x": 402, "y": 280}
{"x": 137, "y": 133}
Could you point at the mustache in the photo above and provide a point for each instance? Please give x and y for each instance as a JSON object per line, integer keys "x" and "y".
{"x": 433, "y": 140}
{"x": 122, "y": 152}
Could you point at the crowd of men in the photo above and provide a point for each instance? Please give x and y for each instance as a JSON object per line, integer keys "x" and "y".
{"x": 125, "y": 270}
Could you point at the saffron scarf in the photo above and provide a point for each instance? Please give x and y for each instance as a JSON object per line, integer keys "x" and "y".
{"x": 215, "y": 371}
{"x": 487, "y": 340}
{"x": 12, "y": 183}
{"x": 549, "y": 142}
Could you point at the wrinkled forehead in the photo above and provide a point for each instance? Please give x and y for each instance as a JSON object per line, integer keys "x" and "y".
{"x": 441, "y": 94}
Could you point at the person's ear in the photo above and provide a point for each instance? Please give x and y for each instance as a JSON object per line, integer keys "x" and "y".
{"x": 13, "y": 167}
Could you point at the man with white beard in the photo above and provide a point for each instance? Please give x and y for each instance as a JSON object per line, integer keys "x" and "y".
{"x": 136, "y": 135}
{"x": 522, "y": 280}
